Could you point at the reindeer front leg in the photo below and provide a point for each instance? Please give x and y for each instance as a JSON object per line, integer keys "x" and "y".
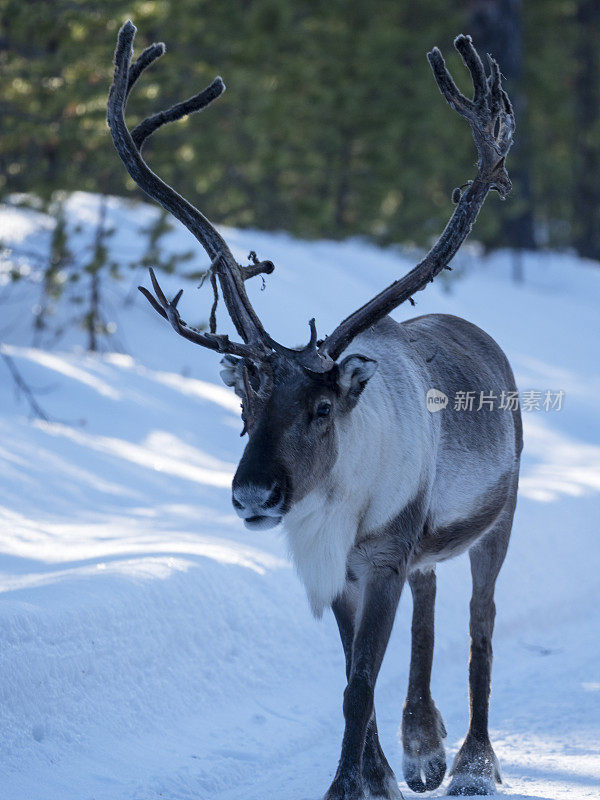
{"x": 374, "y": 622}
{"x": 378, "y": 777}
{"x": 423, "y": 729}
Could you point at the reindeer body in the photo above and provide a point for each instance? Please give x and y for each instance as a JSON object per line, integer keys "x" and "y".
{"x": 407, "y": 483}
{"x": 374, "y": 495}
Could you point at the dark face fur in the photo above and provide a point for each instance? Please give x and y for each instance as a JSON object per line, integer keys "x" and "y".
{"x": 292, "y": 433}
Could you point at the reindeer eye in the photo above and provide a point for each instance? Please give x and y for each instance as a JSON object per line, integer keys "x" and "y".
{"x": 323, "y": 409}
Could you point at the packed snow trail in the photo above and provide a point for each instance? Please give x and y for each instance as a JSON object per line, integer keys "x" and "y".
{"x": 151, "y": 648}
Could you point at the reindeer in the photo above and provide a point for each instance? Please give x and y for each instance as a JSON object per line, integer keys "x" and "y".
{"x": 371, "y": 487}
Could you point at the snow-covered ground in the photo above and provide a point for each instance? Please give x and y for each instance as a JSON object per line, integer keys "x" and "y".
{"x": 150, "y": 647}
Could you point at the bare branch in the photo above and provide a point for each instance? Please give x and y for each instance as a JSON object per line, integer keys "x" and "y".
{"x": 22, "y": 385}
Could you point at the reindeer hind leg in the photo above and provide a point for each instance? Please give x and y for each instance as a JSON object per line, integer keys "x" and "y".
{"x": 476, "y": 769}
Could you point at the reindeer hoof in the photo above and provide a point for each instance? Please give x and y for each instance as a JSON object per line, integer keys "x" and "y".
{"x": 466, "y": 785}
{"x": 425, "y": 772}
{"x": 348, "y": 786}
{"x": 423, "y": 732}
{"x": 386, "y": 790}
{"x": 475, "y": 770}
{"x": 378, "y": 777}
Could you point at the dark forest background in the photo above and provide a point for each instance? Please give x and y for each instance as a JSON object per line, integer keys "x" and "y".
{"x": 332, "y": 124}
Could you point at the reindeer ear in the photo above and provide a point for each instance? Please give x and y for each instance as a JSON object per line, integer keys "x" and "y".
{"x": 354, "y": 373}
{"x": 231, "y": 374}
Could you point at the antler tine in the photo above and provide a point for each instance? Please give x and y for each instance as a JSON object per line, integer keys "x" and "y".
{"x": 168, "y": 310}
{"x": 159, "y": 292}
{"x": 190, "y": 106}
{"x": 243, "y": 316}
{"x": 307, "y": 356}
{"x": 495, "y": 84}
{"x": 454, "y": 97}
{"x": 153, "y": 302}
{"x": 148, "y": 56}
{"x": 492, "y": 122}
{"x": 124, "y": 79}
{"x": 179, "y": 110}
{"x": 490, "y": 104}
{"x": 470, "y": 57}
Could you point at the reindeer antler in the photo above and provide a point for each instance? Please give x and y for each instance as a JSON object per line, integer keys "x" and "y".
{"x": 489, "y": 114}
{"x": 492, "y": 121}
{"x": 257, "y": 343}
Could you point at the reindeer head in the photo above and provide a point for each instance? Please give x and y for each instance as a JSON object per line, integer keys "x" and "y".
{"x": 292, "y": 414}
{"x": 295, "y": 400}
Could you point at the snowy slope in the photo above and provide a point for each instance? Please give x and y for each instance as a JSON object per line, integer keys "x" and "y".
{"x": 150, "y": 647}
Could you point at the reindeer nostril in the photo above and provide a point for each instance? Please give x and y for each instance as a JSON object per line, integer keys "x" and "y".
{"x": 274, "y": 498}
{"x": 256, "y": 498}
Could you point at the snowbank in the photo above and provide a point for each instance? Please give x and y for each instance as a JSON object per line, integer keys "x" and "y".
{"x": 150, "y": 647}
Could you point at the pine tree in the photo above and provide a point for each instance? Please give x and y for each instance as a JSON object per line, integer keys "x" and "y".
{"x": 331, "y": 125}
{"x": 54, "y": 272}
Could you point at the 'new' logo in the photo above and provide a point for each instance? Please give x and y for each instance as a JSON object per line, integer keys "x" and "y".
{"x": 436, "y": 400}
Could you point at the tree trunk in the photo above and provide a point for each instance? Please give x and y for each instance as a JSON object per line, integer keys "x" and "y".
{"x": 586, "y": 200}
{"x": 342, "y": 195}
{"x": 495, "y": 26}
{"x": 93, "y": 316}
